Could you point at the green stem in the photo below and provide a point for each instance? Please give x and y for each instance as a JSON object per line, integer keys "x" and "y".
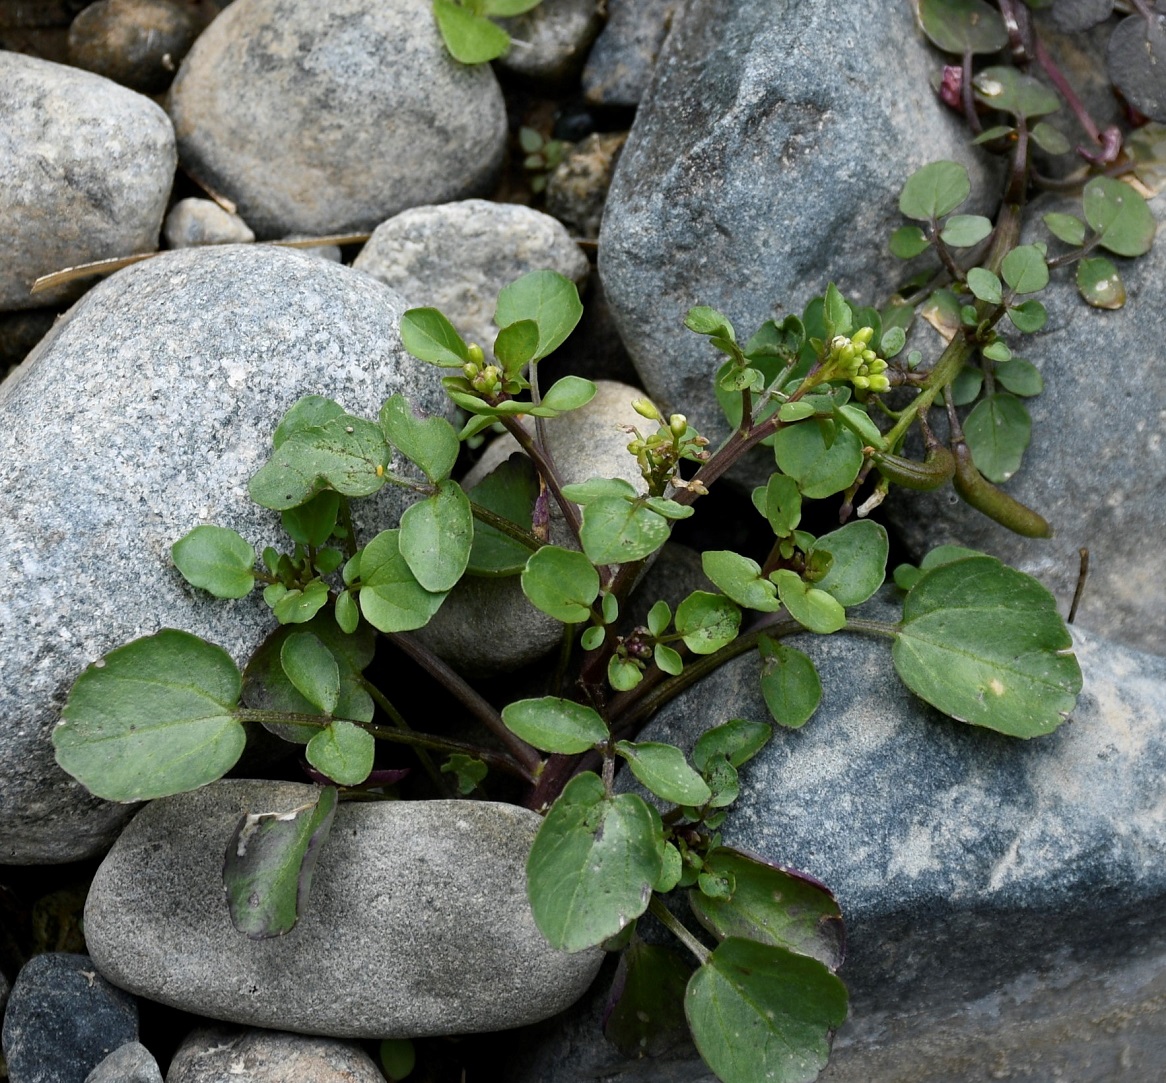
{"x": 505, "y": 526}
{"x": 874, "y": 627}
{"x": 546, "y": 467}
{"x": 673, "y": 924}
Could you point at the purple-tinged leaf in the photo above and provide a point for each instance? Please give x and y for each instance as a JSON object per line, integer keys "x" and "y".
{"x": 644, "y": 1016}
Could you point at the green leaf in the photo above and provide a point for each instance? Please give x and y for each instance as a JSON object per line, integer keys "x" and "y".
{"x": 860, "y": 552}
{"x": 429, "y": 336}
{"x": 269, "y": 864}
{"x": 812, "y": 608}
{"x": 217, "y": 560}
{"x": 645, "y": 1011}
{"x": 312, "y": 523}
{"x": 153, "y": 718}
{"x": 795, "y": 411}
{"x": 985, "y": 285}
{"x": 820, "y": 470}
{"x": 1012, "y": 92}
{"x": 1025, "y": 270}
{"x": 587, "y": 492}
{"x": 741, "y": 579}
{"x": 1020, "y": 377}
{"x": 266, "y": 686}
{"x": 1066, "y": 227}
{"x": 1050, "y": 138}
{"x": 771, "y": 906}
{"x": 997, "y": 351}
{"x": 891, "y": 344}
{"x": 593, "y": 864}
{"x": 984, "y": 644}
{"x": 659, "y": 617}
{"x": 343, "y": 752}
{"x": 436, "y": 536}
{"x": 836, "y": 312}
{"x": 397, "y": 1056}
{"x": 908, "y": 242}
{"x": 1028, "y": 317}
{"x": 430, "y": 442}
{"x": 708, "y": 321}
{"x": 546, "y": 297}
{"x": 391, "y": 599}
{"x": 761, "y": 1012}
{"x": 706, "y": 622}
{"x": 347, "y": 612}
{"x": 966, "y": 386}
{"x": 965, "y": 230}
{"x": 997, "y": 131}
{"x": 663, "y": 770}
{"x": 935, "y": 190}
{"x": 609, "y": 607}
{"x": 623, "y": 674}
{"x": 959, "y": 26}
{"x": 469, "y": 771}
{"x": 616, "y": 530}
{"x": 737, "y": 740}
{"x": 998, "y": 431}
{"x": 569, "y": 393}
{"x": 509, "y": 490}
{"x": 592, "y": 639}
{"x": 501, "y": 9}
{"x": 300, "y": 606}
{"x": 470, "y": 39}
{"x": 562, "y": 583}
{"x": 312, "y": 670}
{"x": 515, "y": 345}
{"x": 1100, "y": 284}
{"x": 781, "y": 504}
{"x": 347, "y": 454}
{"x": 1120, "y": 215}
{"x": 307, "y": 413}
{"x": 789, "y": 683}
{"x": 552, "y": 724}
{"x": 668, "y": 660}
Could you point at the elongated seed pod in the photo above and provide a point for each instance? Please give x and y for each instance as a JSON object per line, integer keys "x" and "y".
{"x": 933, "y": 472}
{"x": 995, "y": 503}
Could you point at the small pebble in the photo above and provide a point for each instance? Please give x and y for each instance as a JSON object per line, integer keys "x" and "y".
{"x": 193, "y": 222}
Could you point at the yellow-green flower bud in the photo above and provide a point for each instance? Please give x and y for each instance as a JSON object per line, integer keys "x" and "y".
{"x": 645, "y": 409}
{"x": 861, "y": 382}
{"x": 475, "y": 352}
{"x": 677, "y": 423}
{"x": 863, "y": 336}
{"x": 470, "y": 370}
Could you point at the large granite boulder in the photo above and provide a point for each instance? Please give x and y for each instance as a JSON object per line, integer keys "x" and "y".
{"x": 141, "y": 415}
{"x": 417, "y": 923}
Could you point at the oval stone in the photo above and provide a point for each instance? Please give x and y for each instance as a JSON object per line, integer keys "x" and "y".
{"x": 417, "y": 922}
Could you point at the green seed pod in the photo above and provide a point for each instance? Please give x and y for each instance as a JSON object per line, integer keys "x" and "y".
{"x": 935, "y": 471}
{"x": 982, "y": 495}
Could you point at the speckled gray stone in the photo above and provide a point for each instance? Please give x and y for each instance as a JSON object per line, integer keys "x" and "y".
{"x": 620, "y": 64}
{"x": 458, "y": 256}
{"x": 85, "y": 172}
{"x": 192, "y": 222}
{"x": 577, "y": 189}
{"x": 486, "y": 625}
{"x": 550, "y": 42}
{"x": 227, "y": 1055}
{"x": 63, "y": 1019}
{"x": 142, "y": 414}
{"x": 132, "y": 1063}
{"x": 765, "y": 162}
{"x": 138, "y": 43}
{"x": 330, "y": 116}
{"x": 1096, "y": 468}
{"x": 1004, "y": 899}
{"x": 417, "y": 923}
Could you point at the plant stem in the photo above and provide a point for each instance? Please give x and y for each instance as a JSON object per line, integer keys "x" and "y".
{"x": 440, "y": 781}
{"x": 673, "y": 924}
{"x": 874, "y": 627}
{"x": 505, "y": 526}
{"x": 529, "y": 759}
{"x": 546, "y": 467}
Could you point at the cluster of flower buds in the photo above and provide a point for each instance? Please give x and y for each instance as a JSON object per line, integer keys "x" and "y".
{"x": 854, "y": 360}
{"x": 659, "y": 454}
{"x": 485, "y": 379}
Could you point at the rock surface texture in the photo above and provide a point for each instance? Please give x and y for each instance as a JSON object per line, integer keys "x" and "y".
{"x": 765, "y": 162}
{"x": 330, "y": 117}
{"x": 620, "y": 64}
{"x": 458, "y": 256}
{"x": 143, "y": 414}
{"x": 64, "y": 1019}
{"x": 1003, "y": 899}
{"x": 132, "y": 1063}
{"x": 577, "y": 189}
{"x": 85, "y": 172}
{"x": 226, "y": 1055}
{"x": 549, "y": 43}
{"x": 417, "y": 923}
{"x": 193, "y": 222}
{"x": 1096, "y": 468}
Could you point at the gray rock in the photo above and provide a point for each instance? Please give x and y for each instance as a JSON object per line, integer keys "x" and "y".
{"x": 1003, "y": 899}
{"x": 142, "y": 414}
{"x": 550, "y": 42}
{"x": 138, "y": 43}
{"x": 1096, "y": 467}
{"x": 63, "y": 1019}
{"x": 458, "y": 256}
{"x": 132, "y": 1063}
{"x": 226, "y": 1055}
{"x": 486, "y": 625}
{"x": 620, "y": 64}
{"x": 5, "y": 989}
{"x": 330, "y": 117}
{"x": 192, "y": 222}
{"x": 85, "y": 173}
{"x": 417, "y": 923}
{"x": 766, "y": 161}
{"x": 330, "y": 252}
{"x": 577, "y": 189}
